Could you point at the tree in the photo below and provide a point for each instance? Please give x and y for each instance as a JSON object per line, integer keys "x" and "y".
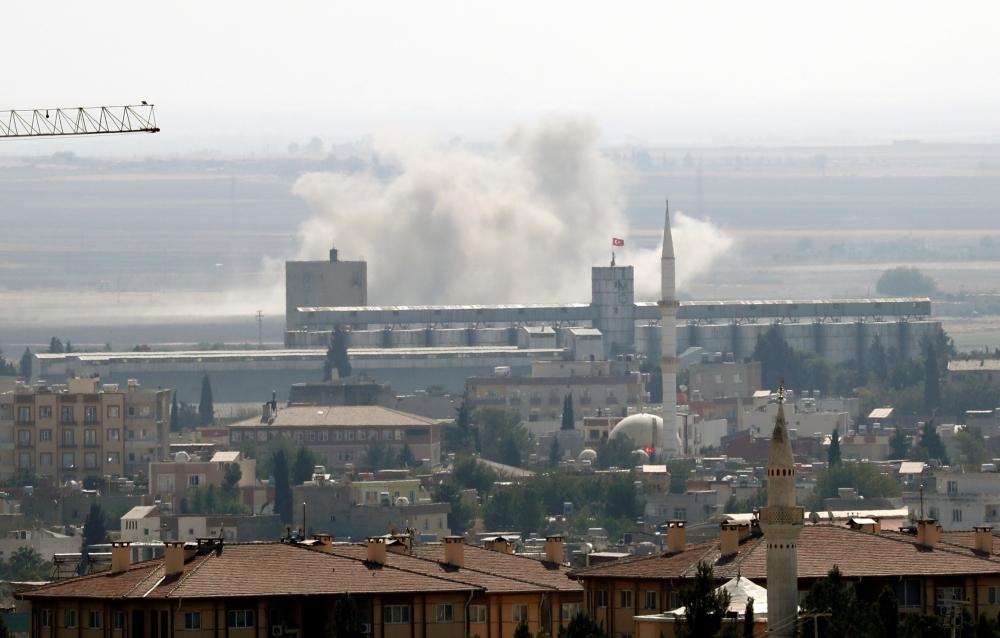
{"x": 898, "y": 444}
{"x": 509, "y": 452}
{"x": 863, "y": 477}
{"x": 849, "y": 616}
{"x": 95, "y": 528}
{"x": 406, "y": 458}
{"x": 26, "y": 364}
{"x": 555, "y": 453}
{"x": 206, "y": 408}
{"x": 522, "y": 630}
{"x": 878, "y": 363}
{"x": 905, "y": 281}
{"x": 930, "y": 441}
{"x": 69, "y": 346}
{"x": 4, "y": 630}
{"x": 282, "y": 488}
{"x": 932, "y": 382}
{"x": 436, "y": 390}
{"x": 460, "y": 438}
{"x": 347, "y": 619}
{"x": 302, "y": 469}
{"x": 379, "y": 456}
{"x": 336, "y": 356}
{"x": 748, "y": 619}
{"x": 27, "y": 564}
{"x": 704, "y": 605}
{"x": 582, "y": 626}
{"x": 616, "y": 452}
{"x": 568, "y": 420}
{"x": 833, "y": 455}
{"x": 503, "y": 437}
{"x": 232, "y": 475}
{"x": 470, "y": 473}
{"x": 175, "y": 415}
{"x": 888, "y": 613}
{"x": 55, "y": 346}
{"x": 461, "y": 516}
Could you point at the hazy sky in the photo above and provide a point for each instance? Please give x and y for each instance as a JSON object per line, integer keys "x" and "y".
{"x": 253, "y": 73}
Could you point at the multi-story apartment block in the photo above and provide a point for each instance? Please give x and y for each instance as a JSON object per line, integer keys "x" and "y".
{"x": 597, "y": 387}
{"x": 68, "y": 432}
{"x": 718, "y": 378}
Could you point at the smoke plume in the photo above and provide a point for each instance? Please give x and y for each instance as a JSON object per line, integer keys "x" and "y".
{"x": 520, "y": 224}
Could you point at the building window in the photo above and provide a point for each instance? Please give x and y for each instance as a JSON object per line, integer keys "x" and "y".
{"x": 361, "y": 435}
{"x": 114, "y": 458}
{"x": 24, "y": 437}
{"x": 45, "y": 412}
{"x": 934, "y": 513}
{"x": 192, "y": 620}
{"x": 956, "y": 516}
{"x": 113, "y": 434}
{"x": 445, "y": 613}
{"x": 602, "y": 598}
{"x": 70, "y": 618}
{"x": 131, "y": 410}
{"x": 947, "y": 595}
{"x": 312, "y": 436}
{"x": 399, "y": 435}
{"x": 114, "y": 411}
{"x": 194, "y": 480}
{"x": 45, "y": 435}
{"x": 45, "y": 458}
{"x": 680, "y": 513}
{"x": 68, "y": 461}
{"x": 675, "y": 599}
{"x": 241, "y": 618}
{"x": 477, "y": 613}
{"x": 24, "y": 460}
{"x": 626, "y": 598}
{"x": 118, "y": 618}
{"x": 95, "y": 619}
{"x": 519, "y": 613}
{"x": 324, "y": 435}
{"x": 68, "y": 438}
{"x": 90, "y": 437}
{"x": 396, "y": 614}
{"x": 953, "y": 487}
{"x": 387, "y": 435}
{"x": 90, "y": 460}
{"x": 298, "y": 436}
{"x": 339, "y": 435}
{"x": 650, "y": 599}
{"x": 67, "y": 414}
{"x": 24, "y": 414}
{"x": 235, "y": 437}
{"x": 90, "y": 414}
{"x": 571, "y": 611}
{"x": 46, "y": 618}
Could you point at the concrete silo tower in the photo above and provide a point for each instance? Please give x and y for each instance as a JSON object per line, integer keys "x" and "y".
{"x": 668, "y": 305}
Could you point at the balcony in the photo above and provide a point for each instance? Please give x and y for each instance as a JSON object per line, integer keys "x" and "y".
{"x": 70, "y": 446}
{"x": 68, "y": 423}
{"x": 584, "y": 400}
{"x": 611, "y": 401}
{"x": 554, "y": 400}
{"x": 25, "y": 422}
{"x": 24, "y": 446}
{"x": 514, "y": 401}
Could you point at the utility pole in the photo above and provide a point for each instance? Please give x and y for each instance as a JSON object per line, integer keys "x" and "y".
{"x": 260, "y": 329}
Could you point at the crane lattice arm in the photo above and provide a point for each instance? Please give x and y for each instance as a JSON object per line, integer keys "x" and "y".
{"x": 97, "y": 120}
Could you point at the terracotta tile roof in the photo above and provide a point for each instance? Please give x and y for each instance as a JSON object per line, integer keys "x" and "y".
{"x": 820, "y": 547}
{"x": 506, "y": 565}
{"x": 332, "y": 416}
{"x": 252, "y": 569}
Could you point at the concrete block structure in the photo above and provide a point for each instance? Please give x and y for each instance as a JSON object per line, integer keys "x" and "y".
{"x": 325, "y": 283}
{"x": 722, "y": 377}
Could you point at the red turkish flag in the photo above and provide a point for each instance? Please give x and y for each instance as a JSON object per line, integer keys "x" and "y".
{"x": 617, "y": 242}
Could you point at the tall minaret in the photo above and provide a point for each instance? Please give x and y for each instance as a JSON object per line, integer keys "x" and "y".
{"x": 668, "y": 357}
{"x": 781, "y": 522}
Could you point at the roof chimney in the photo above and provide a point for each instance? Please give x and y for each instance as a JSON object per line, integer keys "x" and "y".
{"x": 676, "y": 536}
{"x": 376, "y": 549}
{"x": 333, "y": 254}
{"x": 454, "y": 551}
{"x": 554, "y": 549}
{"x": 400, "y": 544}
{"x": 173, "y": 554}
{"x": 729, "y": 538}
{"x": 324, "y": 543}
{"x": 121, "y": 556}
{"x": 499, "y": 544}
{"x": 928, "y": 532}
{"x": 984, "y": 538}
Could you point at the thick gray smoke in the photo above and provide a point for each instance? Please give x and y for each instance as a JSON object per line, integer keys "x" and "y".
{"x": 522, "y": 224}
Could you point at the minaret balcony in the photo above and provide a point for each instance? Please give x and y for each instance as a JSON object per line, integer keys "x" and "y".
{"x": 781, "y": 516}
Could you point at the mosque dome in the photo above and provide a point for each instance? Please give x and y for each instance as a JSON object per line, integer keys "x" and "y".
{"x": 645, "y": 429}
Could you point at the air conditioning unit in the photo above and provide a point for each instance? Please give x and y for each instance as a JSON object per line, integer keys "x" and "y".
{"x": 276, "y": 630}
{"x": 366, "y": 627}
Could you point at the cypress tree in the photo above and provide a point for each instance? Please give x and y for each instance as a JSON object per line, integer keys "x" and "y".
{"x": 175, "y": 425}
{"x": 95, "y": 528}
{"x": 206, "y": 408}
{"x": 568, "y": 418}
{"x": 554, "y": 452}
{"x": 932, "y": 382}
{"x": 833, "y": 455}
{"x": 26, "y": 364}
{"x": 748, "y": 619}
{"x": 282, "y": 488}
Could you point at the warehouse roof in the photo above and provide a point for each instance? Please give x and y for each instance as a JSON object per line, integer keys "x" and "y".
{"x": 991, "y": 365}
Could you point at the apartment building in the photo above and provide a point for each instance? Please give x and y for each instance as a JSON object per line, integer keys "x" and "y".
{"x": 719, "y": 378}
{"x": 597, "y": 387}
{"x": 402, "y": 590}
{"x": 80, "y": 429}
{"x": 187, "y": 473}
{"x": 342, "y": 434}
{"x": 959, "y": 500}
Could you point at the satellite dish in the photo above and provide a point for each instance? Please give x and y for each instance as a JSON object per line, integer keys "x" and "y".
{"x": 832, "y": 519}
{"x": 814, "y": 518}
{"x": 393, "y": 529}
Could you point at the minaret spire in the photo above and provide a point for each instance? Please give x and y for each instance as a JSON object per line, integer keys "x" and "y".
{"x": 669, "y": 362}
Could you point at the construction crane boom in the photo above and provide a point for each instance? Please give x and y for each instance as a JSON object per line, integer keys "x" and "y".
{"x": 97, "y": 120}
